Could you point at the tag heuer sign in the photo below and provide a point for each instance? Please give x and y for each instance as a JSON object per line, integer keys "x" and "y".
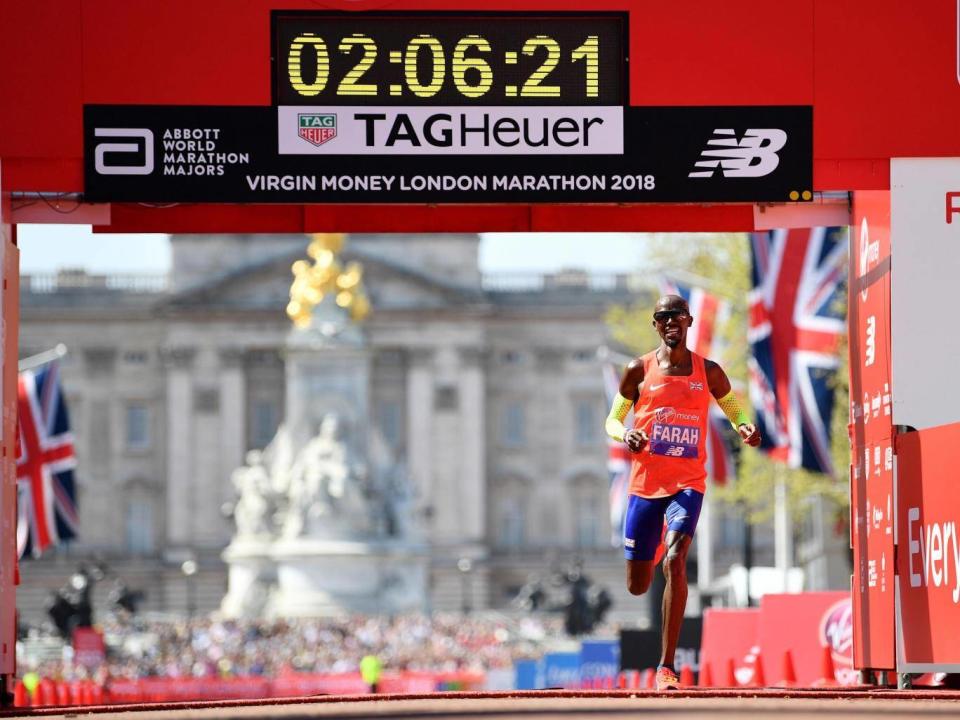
{"x": 317, "y": 129}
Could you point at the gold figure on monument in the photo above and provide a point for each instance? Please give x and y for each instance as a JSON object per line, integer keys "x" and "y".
{"x": 327, "y": 276}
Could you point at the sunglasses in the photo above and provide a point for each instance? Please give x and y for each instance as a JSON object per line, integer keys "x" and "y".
{"x": 661, "y": 316}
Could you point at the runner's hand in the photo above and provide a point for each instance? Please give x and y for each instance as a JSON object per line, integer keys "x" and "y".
{"x": 636, "y": 440}
{"x": 749, "y": 434}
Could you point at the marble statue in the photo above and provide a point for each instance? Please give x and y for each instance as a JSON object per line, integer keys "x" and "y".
{"x": 324, "y": 515}
{"x": 252, "y": 511}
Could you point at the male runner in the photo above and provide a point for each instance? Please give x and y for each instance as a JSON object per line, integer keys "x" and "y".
{"x": 669, "y": 390}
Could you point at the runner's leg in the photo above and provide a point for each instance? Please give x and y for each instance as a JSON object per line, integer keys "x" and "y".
{"x": 641, "y": 535}
{"x": 674, "y": 594}
{"x": 682, "y": 515}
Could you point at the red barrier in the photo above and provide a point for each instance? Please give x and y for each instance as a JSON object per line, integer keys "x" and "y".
{"x": 171, "y": 689}
{"x": 730, "y": 633}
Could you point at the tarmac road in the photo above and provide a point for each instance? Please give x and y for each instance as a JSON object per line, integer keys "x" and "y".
{"x": 798, "y": 705}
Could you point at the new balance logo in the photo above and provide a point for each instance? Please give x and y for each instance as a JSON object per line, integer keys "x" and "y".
{"x": 674, "y": 451}
{"x": 755, "y": 155}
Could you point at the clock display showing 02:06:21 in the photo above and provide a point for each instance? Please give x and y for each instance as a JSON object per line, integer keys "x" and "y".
{"x": 426, "y": 68}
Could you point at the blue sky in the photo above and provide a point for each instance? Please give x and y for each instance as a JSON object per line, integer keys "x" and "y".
{"x": 47, "y": 248}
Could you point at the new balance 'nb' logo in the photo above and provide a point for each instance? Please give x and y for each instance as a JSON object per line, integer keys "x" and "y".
{"x": 755, "y": 155}
{"x": 674, "y": 451}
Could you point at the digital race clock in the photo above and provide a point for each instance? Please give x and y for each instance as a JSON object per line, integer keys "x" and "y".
{"x": 449, "y": 59}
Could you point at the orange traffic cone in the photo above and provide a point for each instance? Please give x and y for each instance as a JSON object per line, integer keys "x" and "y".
{"x": 828, "y": 675}
{"x": 758, "y": 680}
{"x": 789, "y": 675}
{"x": 86, "y": 697}
{"x": 63, "y": 693}
{"x": 646, "y": 679}
{"x": 686, "y": 676}
{"x": 46, "y": 693}
{"x": 705, "y": 679}
{"x": 21, "y": 698}
{"x": 731, "y": 679}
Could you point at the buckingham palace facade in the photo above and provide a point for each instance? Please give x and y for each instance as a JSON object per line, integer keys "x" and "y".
{"x": 488, "y": 387}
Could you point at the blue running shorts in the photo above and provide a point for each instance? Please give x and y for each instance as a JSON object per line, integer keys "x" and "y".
{"x": 643, "y": 524}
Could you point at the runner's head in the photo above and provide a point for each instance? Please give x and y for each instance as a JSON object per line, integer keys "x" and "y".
{"x": 671, "y": 318}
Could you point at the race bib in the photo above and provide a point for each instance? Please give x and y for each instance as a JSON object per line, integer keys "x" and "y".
{"x": 675, "y": 434}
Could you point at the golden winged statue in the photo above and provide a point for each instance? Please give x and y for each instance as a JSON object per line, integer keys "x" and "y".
{"x": 326, "y": 276}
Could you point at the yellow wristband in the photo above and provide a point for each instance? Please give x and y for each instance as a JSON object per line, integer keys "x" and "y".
{"x": 731, "y": 408}
{"x": 618, "y": 412}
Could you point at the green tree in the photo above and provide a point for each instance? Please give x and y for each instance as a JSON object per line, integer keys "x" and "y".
{"x": 720, "y": 263}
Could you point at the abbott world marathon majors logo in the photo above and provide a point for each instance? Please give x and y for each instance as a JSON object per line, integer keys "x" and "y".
{"x": 363, "y": 130}
{"x": 185, "y": 151}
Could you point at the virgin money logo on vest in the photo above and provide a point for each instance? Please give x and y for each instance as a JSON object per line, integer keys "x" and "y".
{"x": 662, "y": 415}
{"x": 665, "y": 414}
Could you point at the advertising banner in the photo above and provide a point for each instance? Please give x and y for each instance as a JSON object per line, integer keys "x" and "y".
{"x": 447, "y": 154}
{"x": 804, "y": 624}
{"x": 561, "y": 670}
{"x": 871, "y": 432}
{"x": 730, "y": 634}
{"x": 928, "y": 557}
{"x": 88, "y": 647}
{"x": 599, "y": 659}
{"x": 925, "y": 239}
{"x": 527, "y": 674}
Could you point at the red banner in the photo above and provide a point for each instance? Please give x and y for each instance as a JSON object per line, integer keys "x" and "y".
{"x": 291, "y": 685}
{"x": 928, "y": 560}
{"x": 871, "y": 474}
{"x": 730, "y": 634}
{"x": 88, "y": 646}
{"x": 804, "y": 624}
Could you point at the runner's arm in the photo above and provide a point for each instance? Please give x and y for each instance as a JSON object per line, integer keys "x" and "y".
{"x": 625, "y": 399}
{"x": 728, "y": 402}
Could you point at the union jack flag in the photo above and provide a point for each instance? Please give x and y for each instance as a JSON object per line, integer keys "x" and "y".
{"x": 618, "y": 462}
{"x": 46, "y": 495}
{"x": 795, "y": 324}
{"x": 709, "y": 314}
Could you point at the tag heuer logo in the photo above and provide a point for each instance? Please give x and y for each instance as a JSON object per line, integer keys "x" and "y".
{"x": 317, "y": 129}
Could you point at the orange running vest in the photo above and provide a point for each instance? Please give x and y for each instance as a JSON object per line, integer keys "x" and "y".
{"x": 672, "y": 410}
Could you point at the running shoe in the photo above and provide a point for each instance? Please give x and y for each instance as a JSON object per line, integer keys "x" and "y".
{"x": 667, "y": 679}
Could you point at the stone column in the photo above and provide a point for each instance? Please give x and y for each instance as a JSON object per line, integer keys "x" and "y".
{"x": 420, "y": 426}
{"x": 473, "y": 470}
{"x": 181, "y": 488}
{"x": 233, "y": 414}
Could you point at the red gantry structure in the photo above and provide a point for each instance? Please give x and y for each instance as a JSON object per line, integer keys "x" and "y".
{"x": 540, "y": 115}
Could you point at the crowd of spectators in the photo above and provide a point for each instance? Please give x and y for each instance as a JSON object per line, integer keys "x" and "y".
{"x": 138, "y": 647}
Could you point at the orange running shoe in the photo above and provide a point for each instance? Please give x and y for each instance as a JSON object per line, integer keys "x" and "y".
{"x": 667, "y": 679}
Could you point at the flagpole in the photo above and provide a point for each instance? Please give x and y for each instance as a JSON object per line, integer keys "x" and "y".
{"x": 54, "y": 353}
{"x": 783, "y": 526}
